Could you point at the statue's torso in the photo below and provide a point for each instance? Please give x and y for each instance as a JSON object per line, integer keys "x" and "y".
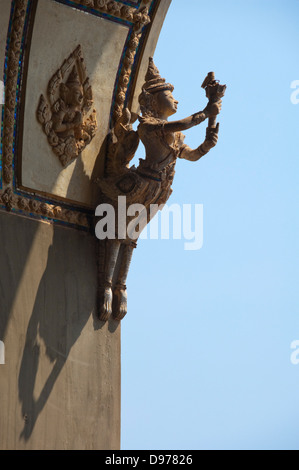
{"x": 162, "y": 148}
{"x": 149, "y": 183}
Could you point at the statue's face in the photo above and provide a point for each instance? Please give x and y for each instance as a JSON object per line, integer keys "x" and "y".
{"x": 77, "y": 95}
{"x": 166, "y": 103}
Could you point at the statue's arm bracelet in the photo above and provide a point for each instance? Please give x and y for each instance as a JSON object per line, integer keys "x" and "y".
{"x": 201, "y": 150}
{"x": 198, "y": 118}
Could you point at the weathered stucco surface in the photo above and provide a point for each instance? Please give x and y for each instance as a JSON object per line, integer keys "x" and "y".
{"x": 60, "y": 386}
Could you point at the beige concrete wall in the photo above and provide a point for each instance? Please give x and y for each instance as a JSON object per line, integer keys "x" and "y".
{"x": 60, "y": 386}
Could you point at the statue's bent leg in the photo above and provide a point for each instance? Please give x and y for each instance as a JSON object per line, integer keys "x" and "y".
{"x": 108, "y": 254}
{"x": 120, "y": 290}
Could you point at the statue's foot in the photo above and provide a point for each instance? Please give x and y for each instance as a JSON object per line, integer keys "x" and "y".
{"x": 105, "y": 303}
{"x": 120, "y": 302}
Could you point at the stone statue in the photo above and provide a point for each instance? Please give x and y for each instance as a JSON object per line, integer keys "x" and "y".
{"x": 149, "y": 183}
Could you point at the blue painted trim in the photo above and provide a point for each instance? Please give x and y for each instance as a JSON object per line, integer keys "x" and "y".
{"x": 94, "y": 12}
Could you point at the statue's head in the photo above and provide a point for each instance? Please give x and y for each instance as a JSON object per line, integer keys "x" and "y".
{"x": 72, "y": 91}
{"x": 156, "y": 99}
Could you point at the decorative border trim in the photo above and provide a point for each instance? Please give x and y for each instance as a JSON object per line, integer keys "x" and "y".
{"x": 20, "y": 201}
{"x": 13, "y": 58}
{"x": 50, "y": 212}
{"x": 124, "y": 86}
{"x": 132, "y": 3}
{"x": 139, "y": 17}
{"x": 124, "y": 76}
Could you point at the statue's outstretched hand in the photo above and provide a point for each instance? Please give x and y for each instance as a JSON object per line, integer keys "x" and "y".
{"x": 211, "y": 137}
{"x": 209, "y": 142}
{"x": 212, "y": 109}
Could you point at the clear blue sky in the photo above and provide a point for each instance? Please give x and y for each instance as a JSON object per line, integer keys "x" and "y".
{"x": 206, "y": 342}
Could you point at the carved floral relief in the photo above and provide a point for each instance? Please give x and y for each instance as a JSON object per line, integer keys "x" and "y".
{"x": 66, "y": 114}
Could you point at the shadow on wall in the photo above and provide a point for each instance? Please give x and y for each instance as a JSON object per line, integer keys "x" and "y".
{"x": 49, "y": 286}
{"x": 63, "y": 296}
{"x": 64, "y": 302}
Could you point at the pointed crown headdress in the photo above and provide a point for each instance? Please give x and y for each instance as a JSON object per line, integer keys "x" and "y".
{"x": 73, "y": 79}
{"x": 153, "y": 80}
